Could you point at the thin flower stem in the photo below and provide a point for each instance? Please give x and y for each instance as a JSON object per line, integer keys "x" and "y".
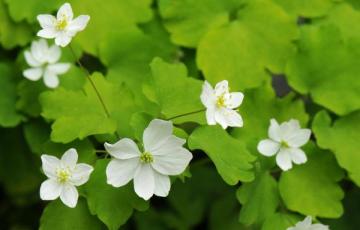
{"x": 87, "y": 74}
{"x": 185, "y": 114}
{"x": 100, "y": 151}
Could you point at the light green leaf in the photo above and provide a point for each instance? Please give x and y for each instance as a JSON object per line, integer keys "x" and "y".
{"x": 129, "y": 62}
{"x": 79, "y": 114}
{"x": 13, "y": 34}
{"x": 9, "y": 117}
{"x": 327, "y": 68}
{"x": 189, "y": 20}
{"x": 259, "y": 199}
{"x": 176, "y": 92}
{"x": 57, "y": 216}
{"x": 307, "y": 8}
{"x": 230, "y": 156}
{"x": 113, "y": 206}
{"x": 280, "y": 221}
{"x": 259, "y": 39}
{"x": 311, "y": 188}
{"x": 342, "y": 137}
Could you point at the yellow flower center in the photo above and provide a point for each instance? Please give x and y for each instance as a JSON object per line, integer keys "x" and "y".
{"x": 146, "y": 157}
{"x": 220, "y": 101}
{"x": 63, "y": 175}
{"x": 61, "y": 24}
{"x": 284, "y": 144}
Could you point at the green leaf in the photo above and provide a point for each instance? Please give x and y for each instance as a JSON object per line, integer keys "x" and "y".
{"x": 242, "y": 50}
{"x": 177, "y": 93}
{"x": 259, "y": 199}
{"x": 57, "y": 216}
{"x": 311, "y": 188}
{"x": 307, "y": 8}
{"x": 9, "y": 117}
{"x": 113, "y": 206}
{"x": 188, "y": 20}
{"x": 129, "y": 62}
{"x": 259, "y": 106}
{"x": 342, "y": 137}
{"x": 13, "y": 34}
{"x": 19, "y": 169}
{"x": 316, "y": 68}
{"x": 230, "y": 156}
{"x": 224, "y": 213}
{"x": 79, "y": 114}
{"x": 280, "y": 221}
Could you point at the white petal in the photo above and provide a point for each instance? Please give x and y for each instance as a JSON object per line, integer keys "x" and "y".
{"x": 70, "y": 158}
{"x": 287, "y": 129}
{"x": 319, "y": 227}
{"x": 69, "y": 195}
{"x": 274, "y": 131}
{"x": 297, "y": 156}
{"x": 79, "y": 23}
{"x": 65, "y": 11}
{"x": 173, "y": 163}
{"x": 33, "y": 74}
{"x": 31, "y": 60}
{"x": 207, "y": 96}
{"x": 298, "y": 138}
{"x": 120, "y": 172}
{"x": 307, "y": 221}
{"x": 51, "y": 80}
{"x": 123, "y": 149}
{"x": 283, "y": 160}
{"x": 268, "y": 147}
{"x": 162, "y": 184}
{"x": 46, "y": 20}
{"x": 58, "y": 68}
{"x": 49, "y": 165}
{"x": 210, "y": 116}
{"x": 227, "y": 117}
{"x": 50, "y": 190}
{"x": 235, "y": 100}
{"x": 81, "y": 173}
{"x": 48, "y": 33}
{"x": 54, "y": 54}
{"x": 156, "y": 133}
{"x": 144, "y": 182}
{"x": 222, "y": 88}
{"x": 39, "y": 50}
{"x": 62, "y": 39}
{"x": 169, "y": 145}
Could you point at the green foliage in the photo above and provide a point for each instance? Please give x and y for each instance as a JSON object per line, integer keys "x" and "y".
{"x": 9, "y": 116}
{"x": 312, "y": 188}
{"x": 259, "y": 198}
{"x": 333, "y": 136}
{"x": 243, "y": 49}
{"x": 292, "y": 59}
{"x": 235, "y": 165}
{"x": 180, "y": 94}
{"x": 113, "y": 206}
{"x": 56, "y": 216}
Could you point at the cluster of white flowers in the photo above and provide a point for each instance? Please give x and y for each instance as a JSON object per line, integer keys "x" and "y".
{"x": 163, "y": 154}
{"x": 43, "y": 59}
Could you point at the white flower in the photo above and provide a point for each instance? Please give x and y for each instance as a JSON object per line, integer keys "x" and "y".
{"x": 64, "y": 175}
{"x": 306, "y": 225}
{"x": 43, "y": 62}
{"x": 285, "y": 141}
{"x": 220, "y": 105}
{"x": 163, "y": 155}
{"x": 62, "y": 27}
